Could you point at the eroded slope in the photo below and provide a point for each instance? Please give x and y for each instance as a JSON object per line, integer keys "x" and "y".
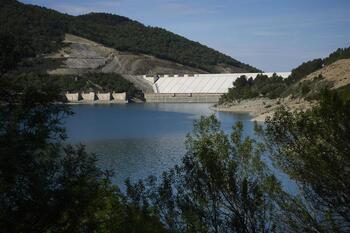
{"x": 81, "y": 55}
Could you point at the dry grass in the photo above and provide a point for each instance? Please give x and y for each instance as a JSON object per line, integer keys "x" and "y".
{"x": 338, "y": 73}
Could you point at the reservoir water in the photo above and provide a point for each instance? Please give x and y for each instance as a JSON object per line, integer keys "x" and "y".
{"x": 138, "y": 140}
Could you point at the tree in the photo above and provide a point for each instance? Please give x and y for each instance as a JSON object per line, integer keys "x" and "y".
{"x": 9, "y": 57}
{"x": 313, "y": 148}
{"x": 221, "y": 186}
{"x": 49, "y": 186}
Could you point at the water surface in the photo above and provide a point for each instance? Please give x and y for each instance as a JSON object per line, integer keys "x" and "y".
{"x": 138, "y": 140}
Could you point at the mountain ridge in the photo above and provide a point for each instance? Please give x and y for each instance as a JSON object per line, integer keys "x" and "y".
{"x": 48, "y": 28}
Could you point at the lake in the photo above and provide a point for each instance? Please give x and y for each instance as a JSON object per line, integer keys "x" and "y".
{"x": 138, "y": 140}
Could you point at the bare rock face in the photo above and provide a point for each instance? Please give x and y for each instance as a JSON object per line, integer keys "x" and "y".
{"x": 81, "y": 55}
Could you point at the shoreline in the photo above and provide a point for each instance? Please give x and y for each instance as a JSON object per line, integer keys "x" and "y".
{"x": 261, "y": 108}
{"x": 255, "y": 117}
{"x": 258, "y": 109}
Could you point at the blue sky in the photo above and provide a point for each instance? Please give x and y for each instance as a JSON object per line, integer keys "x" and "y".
{"x": 273, "y": 35}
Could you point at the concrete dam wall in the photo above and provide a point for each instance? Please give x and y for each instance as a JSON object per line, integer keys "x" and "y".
{"x": 196, "y": 88}
{"x": 119, "y": 96}
{"x": 104, "y": 96}
{"x": 72, "y": 97}
{"x": 92, "y": 97}
{"x": 182, "y": 98}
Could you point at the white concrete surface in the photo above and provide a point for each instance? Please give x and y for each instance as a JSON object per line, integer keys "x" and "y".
{"x": 119, "y": 96}
{"x": 104, "y": 96}
{"x": 72, "y": 97}
{"x": 88, "y": 96}
{"x": 202, "y": 83}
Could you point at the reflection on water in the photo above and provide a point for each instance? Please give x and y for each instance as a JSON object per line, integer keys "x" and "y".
{"x": 137, "y": 140}
{"x": 139, "y": 157}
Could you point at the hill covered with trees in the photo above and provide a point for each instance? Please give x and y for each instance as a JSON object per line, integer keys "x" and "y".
{"x": 306, "y": 81}
{"x": 37, "y": 30}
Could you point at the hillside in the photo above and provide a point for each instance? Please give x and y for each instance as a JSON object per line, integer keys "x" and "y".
{"x": 263, "y": 96}
{"x": 337, "y": 73}
{"x": 79, "y": 55}
{"x": 37, "y": 30}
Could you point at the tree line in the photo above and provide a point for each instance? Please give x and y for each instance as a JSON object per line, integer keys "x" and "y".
{"x": 278, "y": 87}
{"x": 38, "y": 30}
{"x": 97, "y": 82}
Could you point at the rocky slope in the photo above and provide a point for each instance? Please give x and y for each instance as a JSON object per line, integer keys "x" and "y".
{"x": 80, "y": 55}
{"x": 337, "y": 73}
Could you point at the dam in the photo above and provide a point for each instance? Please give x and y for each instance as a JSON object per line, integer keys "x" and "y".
{"x": 96, "y": 98}
{"x": 195, "y": 88}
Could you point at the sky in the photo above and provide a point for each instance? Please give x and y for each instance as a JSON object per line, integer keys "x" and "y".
{"x": 272, "y": 35}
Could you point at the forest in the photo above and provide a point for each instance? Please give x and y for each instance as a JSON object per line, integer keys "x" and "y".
{"x": 97, "y": 82}
{"x": 37, "y": 30}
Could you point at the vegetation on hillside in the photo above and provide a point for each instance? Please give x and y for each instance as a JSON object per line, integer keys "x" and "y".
{"x": 23, "y": 73}
{"x": 35, "y": 30}
{"x": 311, "y": 66}
{"x": 97, "y": 82}
{"x": 277, "y": 87}
{"x": 341, "y": 53}
{"x": 344, "y": 92}
{"x": 262, "y": 85}
{"x": 305, "y": 69}
{"x": 39, "y": 30}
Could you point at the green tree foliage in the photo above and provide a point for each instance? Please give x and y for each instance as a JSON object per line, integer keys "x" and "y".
{"x": 47, "y": 185}
{"x": 305, "y": 69}
{"x": 222, "y": 185}
{"x": 9, "y": 56}
{"x": 261, "y": 86}
{"x": 79, "y": 83}
{"x": 124, "y": 34}
{"x": 41, "y": 30}
{"x": 311, "y": 66}
{"x": 344, "y": 92}
{"x": 36, "y": 30}
{"x": 341, "y": 53}
{"x": 313, "y": 148}
{"x": 277, "y": 87}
